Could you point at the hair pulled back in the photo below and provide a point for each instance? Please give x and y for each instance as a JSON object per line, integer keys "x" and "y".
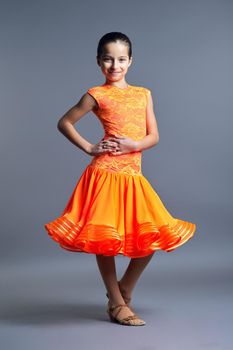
{"x": 113, "y": 37}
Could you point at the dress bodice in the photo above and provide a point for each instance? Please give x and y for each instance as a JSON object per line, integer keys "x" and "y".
{"x": 122, "y": 112}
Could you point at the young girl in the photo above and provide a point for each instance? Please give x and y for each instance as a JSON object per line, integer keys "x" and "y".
{"x": 113, "y": 208}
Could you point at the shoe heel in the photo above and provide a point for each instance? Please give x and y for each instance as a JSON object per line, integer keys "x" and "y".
{"x": 112, "y": 318}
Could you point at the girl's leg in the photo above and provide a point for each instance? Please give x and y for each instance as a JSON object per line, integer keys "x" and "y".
{"x": 133, "y": 272}
{"x": 106, "y": 265}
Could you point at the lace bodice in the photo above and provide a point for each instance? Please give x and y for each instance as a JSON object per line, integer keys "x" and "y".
{"x": 121, "y": 111}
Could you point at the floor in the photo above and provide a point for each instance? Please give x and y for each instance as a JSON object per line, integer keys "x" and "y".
{"x": 60, "y": 304}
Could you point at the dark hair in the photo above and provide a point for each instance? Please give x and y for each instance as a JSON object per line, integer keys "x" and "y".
{"x": 113, "y": 37}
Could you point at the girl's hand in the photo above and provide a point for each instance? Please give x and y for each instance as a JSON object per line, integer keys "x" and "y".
{"x": 104, "y": 146}
{"x": 124, "y": 145}
{"x": 114, "y": 145}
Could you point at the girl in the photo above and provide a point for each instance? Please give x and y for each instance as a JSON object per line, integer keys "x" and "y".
{"x": 113, "y": 208}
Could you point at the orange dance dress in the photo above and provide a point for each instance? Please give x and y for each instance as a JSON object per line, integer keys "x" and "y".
{"x": 113, "y": 208}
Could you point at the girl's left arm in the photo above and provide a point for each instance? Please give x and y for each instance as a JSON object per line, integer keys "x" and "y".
{"x": 152, "y": 136}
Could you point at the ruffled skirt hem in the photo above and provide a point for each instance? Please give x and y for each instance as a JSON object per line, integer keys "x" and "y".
{"x": 106, "y": 240}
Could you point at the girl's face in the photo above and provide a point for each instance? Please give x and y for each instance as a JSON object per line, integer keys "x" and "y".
{"x": 115, "y": 61}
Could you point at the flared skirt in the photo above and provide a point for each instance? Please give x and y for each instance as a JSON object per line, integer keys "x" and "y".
{"x": 113, "y": 213}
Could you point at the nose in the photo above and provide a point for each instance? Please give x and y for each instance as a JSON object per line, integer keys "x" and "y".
{"x": 114, "y": 64}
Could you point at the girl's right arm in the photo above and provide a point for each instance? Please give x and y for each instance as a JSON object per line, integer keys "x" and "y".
{"x": 66, "y": 126}
{"x": 66, "y": 123}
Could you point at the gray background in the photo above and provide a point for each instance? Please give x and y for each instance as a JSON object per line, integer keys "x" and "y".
{"x": 182, "y": 52}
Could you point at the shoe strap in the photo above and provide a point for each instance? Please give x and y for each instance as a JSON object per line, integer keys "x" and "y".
{"x": 116, "y": 306}
{"x": 128, "y": 318}
{"x": 112, "y": 308}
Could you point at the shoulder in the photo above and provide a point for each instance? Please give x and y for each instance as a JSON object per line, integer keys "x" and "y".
{"x": 97, "y": 92}
{"x": 147, "y": 92}
{"x": 96, "y": 88}
{"x": 144, "y": 92}
{"x": 141, "y": 89}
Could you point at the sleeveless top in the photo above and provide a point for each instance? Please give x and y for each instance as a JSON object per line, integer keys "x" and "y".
{"x": 122, "y": 112}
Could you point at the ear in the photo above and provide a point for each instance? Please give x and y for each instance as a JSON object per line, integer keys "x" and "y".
{"x": 130, "y": 61}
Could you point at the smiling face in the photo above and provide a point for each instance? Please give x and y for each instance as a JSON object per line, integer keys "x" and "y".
{"x": 114, "y": 62}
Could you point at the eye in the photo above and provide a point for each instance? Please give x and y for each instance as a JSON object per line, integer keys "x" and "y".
{"x": 109, "y": 59}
